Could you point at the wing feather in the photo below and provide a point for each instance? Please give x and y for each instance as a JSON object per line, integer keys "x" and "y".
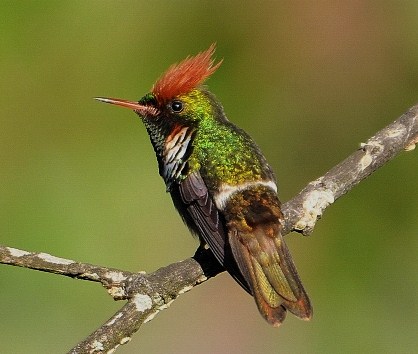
{"x": 202, "y": 217}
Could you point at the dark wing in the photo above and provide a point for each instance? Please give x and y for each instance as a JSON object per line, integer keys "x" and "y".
{"x": 192, "y": 199}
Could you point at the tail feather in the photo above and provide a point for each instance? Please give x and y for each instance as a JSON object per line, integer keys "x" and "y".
{"x": 268, "y": 268}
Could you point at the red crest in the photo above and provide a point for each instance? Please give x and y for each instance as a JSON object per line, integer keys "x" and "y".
{"x": 185, "y": 76}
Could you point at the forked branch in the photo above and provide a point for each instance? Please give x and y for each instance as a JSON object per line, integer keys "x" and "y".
{"x": 147, "y": 294}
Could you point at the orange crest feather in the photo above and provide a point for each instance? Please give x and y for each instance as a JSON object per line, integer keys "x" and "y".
{"x": 185, "y": 76}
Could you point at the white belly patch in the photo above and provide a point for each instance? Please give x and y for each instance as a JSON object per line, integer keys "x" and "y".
{"x": 226, "y": 191}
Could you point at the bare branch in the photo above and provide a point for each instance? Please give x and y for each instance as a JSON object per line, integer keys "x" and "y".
{"x": 302, "y": 212}
{"x": 51, "y": 264}
{"x": 149, "y": 294}
{"x": 146, "y": 294}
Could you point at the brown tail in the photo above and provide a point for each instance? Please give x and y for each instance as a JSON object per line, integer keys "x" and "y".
{"x": 268, "y": 268}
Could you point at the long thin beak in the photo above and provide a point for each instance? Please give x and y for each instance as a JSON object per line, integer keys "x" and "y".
{"x": 139, "y": 108}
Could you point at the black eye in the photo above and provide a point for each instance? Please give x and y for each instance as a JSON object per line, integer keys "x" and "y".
{"x": 177, "y": 106}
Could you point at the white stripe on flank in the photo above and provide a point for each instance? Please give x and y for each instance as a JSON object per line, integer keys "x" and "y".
{"x": 226, "y": 191}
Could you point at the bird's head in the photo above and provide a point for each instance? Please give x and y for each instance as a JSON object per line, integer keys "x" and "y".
{"x": 173, "y": 110}
{"x": 177, "y": 97}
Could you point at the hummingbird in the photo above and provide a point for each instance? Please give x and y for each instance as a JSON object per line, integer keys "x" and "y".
{"x": 221, "y": 185}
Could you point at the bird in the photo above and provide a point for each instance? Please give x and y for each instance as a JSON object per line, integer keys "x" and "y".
{"x": 221, "y": 184}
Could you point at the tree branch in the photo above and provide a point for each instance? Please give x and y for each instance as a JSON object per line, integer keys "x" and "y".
{"x": 302, "y": 212}
{"x": 149, "y": 294}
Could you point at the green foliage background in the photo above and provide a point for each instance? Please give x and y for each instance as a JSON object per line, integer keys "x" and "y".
{"x": 78, "y": 179}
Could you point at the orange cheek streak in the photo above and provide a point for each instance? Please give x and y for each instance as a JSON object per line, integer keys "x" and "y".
{"x": 173, "y": 133}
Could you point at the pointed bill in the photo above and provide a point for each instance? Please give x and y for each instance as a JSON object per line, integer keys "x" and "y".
{"x": 135, "y": 106}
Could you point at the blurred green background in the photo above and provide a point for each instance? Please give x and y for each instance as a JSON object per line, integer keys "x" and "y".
{"x": 309, "y": 81}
